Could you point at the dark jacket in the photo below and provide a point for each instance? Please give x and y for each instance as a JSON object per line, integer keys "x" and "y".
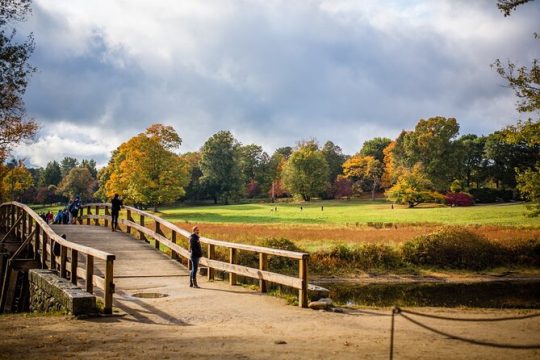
{"x": 116, "y": 204}
{"x": 195, "y": 246}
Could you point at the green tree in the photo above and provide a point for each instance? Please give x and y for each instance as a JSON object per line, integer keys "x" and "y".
{"x": 474, "y": 163}
{"x": 79, "y": 182}
{"x": 375, "y": 147}
{"x": 52, "y": 175}
{"x": 67, "y": 164}
{"x": 220, "y": 165}
{"x": 255, "y": 166}
{"x": 15, "y": 71}
{"x": 306, "y": 171}
{"x": 90, "y": 165}
{"x": 334, "y": 158}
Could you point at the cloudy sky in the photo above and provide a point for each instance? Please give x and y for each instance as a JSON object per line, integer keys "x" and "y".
{"x": 273, "y": 72}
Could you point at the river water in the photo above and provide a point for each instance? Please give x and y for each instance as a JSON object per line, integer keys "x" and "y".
{"x": 488, "y": 294}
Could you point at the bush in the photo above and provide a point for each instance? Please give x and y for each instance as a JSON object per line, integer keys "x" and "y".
{"x": 459, "y": 199}
{"x": 451, "y": 247}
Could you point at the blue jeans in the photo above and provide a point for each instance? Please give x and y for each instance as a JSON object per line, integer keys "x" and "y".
{"x": 194, "y": 268}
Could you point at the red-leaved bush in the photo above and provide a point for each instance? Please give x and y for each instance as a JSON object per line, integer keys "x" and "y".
{"x": 459, "y": 199}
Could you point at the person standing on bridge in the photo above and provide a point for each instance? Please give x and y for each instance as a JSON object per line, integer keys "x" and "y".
{"x": 196, "y": 254}
{"x": 116, "y": 205}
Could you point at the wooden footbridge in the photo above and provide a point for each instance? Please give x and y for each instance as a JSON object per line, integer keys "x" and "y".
{"x": 97, "y": 259}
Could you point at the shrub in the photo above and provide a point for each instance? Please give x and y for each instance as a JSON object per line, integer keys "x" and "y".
{"x": 451, "y": 247}
{"x": 459, "y": 199}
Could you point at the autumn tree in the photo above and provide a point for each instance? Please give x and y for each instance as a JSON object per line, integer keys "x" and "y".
{"x": 79, "y": 182}
{"x": 412, "y": 187}
{"x": 16, "y": 180}
{"x": 145, "y": 170}
{"x": 220, "y": 165}
{"x": 365, "y": 171}
{"x": 432, "y": 144}
{"x": 306, "y": 171}
{"x": 14, "y": 73}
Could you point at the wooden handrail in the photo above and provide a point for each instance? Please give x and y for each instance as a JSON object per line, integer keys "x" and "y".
{"x": 35, "y": 229}
{"x": 261, "y": 273}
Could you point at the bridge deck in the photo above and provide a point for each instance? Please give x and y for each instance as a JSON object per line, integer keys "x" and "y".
{"x": 139, "y": 268}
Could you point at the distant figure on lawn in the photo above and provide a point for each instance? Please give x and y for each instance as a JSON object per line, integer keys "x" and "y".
{"x": 116, "y": 205}
{"x": 196, "y": 254}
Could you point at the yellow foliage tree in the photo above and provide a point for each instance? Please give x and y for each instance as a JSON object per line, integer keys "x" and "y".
{"x": 365, "y": 170}
{"x": 16, "y": 180}
{"x": 144, "y": 170}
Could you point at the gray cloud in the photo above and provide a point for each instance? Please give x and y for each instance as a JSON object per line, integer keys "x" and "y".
{"x": 273, "y": 72}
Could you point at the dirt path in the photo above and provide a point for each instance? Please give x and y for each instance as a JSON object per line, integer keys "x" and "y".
{"x": 218, "y": 323}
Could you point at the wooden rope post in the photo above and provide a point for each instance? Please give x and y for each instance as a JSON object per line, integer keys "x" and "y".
{"x": 96, "y": 221}
{"x": 90, "y": 274}
{"x": 88, "y": 213}
{"x": 129, "y": 218}
{"x": 211, "y": 255}
{"x": 107, "y": 212}
{"x": 74, "y": 264}
{"x": 109, "y": 285}
{"x": 302, "y": 274}
{"x": 232, "y": 260}
{"x": 63, "y": 261}
{"x": 263, "y": 265}
{"x": 141, "y": 222}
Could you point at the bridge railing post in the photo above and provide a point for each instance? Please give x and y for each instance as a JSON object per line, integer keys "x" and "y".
{"x": 232, "y": 260}
{"x": 109, "y": 286}
{"x": 53, "y": 256}
{"x": 88, "y": 212}
{"x": 63, "y": 261}
{"x": 263, "y": 265}
{"x": 96, "y": 220}
{"x": 211, "y": 255}
{"x": 90, "y": 274}
{"x": 141, "y": 222}
{"x": 107, "y": 212}
{"x": 158, "y": 231}
{"x": 74, "y": 264}
{"x": 302, "y": 273}
{"x": 44, "y": 241}
{"x": 174, "y": 255}
{"x": 129, "y": 218}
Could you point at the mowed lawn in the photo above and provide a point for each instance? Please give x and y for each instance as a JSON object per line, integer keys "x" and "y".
{"x": 352, "y": 212}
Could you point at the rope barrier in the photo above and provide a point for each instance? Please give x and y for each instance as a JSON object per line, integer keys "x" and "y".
{"x": 397, "y": 311}
{"x": 468, "y": 319}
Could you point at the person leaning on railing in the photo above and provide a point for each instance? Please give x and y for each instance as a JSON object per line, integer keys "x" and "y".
{"x": 196, "y": 254}
{"x": 116, "y": 205}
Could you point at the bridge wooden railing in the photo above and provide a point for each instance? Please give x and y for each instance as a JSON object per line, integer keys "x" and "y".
{"x": 92, "y": 212}
{"x": 22, "y": 222}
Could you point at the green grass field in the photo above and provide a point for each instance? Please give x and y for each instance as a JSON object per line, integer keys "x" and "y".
{"x": 352, "y": 212}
